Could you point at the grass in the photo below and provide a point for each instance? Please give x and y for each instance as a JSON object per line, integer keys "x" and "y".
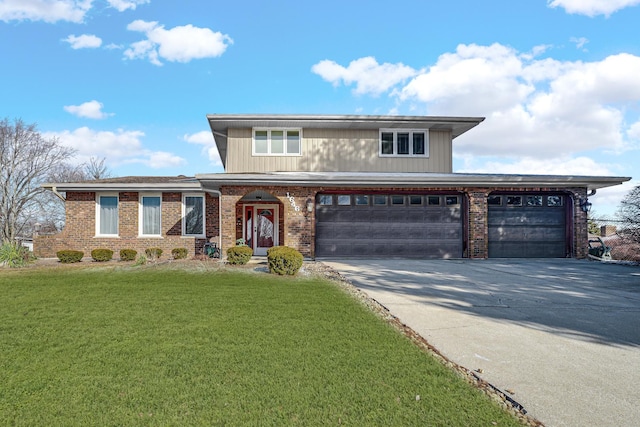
{"x": 155, "y": 346}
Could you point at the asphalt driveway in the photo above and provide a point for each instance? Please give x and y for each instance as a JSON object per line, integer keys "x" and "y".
{"x": 560, "y": 336}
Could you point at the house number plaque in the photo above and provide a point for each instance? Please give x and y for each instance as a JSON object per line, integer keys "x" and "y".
{"x": 292, "y": 201}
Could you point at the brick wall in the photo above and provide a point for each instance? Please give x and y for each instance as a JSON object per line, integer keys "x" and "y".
{"x": 80, "y": 228}
{"x": 296, "y": 223}
{"x": 297, "y": 227}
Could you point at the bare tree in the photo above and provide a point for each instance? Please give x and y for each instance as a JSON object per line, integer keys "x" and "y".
{"x": 26, "y": 160}
{"x": 629, "y": 214}
{"x": 96, "y": 169}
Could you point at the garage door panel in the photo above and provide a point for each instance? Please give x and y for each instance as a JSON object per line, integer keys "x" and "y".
{"x": 406, "y": 231}
{"x": 523, "y": 231}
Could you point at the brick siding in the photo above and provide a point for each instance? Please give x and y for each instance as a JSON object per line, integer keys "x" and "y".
{"x": 80, "y": 228}
{"x": 296, "y": 227}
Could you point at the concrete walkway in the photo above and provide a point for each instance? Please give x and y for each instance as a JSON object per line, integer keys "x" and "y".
{"x": 561, "y": 337}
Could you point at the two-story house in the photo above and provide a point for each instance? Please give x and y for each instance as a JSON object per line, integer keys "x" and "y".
{"x": 335, "y": 186}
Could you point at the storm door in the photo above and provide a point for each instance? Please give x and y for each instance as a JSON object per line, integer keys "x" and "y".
{"x": 261, "y": 227}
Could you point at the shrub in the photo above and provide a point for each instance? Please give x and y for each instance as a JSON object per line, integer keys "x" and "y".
{"x": 153, "y": 253}
{"x": 14, "y": 255}
{"x": 102, "y": 255}
{"x": 128, "y": 254}
{"x": 142, "y": 260}
{"x": 239, "y": 255}
{"x": 68, "y": 256}
{"x": 179, "y": 253}
{"x": 284, "y": 260}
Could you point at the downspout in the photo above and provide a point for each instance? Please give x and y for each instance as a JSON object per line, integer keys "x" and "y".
{"x": 55, "y": 191}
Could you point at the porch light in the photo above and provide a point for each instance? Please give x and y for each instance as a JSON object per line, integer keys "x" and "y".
{"x": 309, "y": 205}
{"x": 585, "y": 205}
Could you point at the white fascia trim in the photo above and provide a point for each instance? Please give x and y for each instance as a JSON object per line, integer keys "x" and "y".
{"x": 363, "y": 179}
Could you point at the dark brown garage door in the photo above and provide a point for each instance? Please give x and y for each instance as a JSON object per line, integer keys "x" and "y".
{"x": 389, "y": 225}
{"x": 527, "y": 226}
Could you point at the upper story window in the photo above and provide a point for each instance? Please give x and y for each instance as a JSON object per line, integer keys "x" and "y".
{"x": 277, "y": 142}
{"x": 150, "y": 215}
{"x": 404, "y": 142}
{"x": 107, "y": 215}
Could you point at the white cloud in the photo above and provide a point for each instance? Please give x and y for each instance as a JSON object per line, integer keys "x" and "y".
{"x": 161, "y": 159}
{"x": 117, "y": 147}
{"x": 533, "y": 107}
{"x": 44, "y": 10}
{"x": 592, "y": 7}
{"x": 205, "y": 139}
{"x": 607, "y": 200}
{"x": 122, "y": 5}
{"x": 178, "y": 44}
{"x": 90, "y": 110}
{"x": 580, "y": 42}
{"x": 556, "y": 166}
{"x": 369, "y": 76}
{"x": 83, "y": 41}
{"x": 56, "y": 10}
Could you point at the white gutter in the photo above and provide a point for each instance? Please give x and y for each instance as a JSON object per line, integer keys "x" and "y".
{"x": 55, "y": 191}
{"x": 367, "y": 179}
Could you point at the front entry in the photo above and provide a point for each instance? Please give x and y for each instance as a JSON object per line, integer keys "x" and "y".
{"x": 260, "y": 227}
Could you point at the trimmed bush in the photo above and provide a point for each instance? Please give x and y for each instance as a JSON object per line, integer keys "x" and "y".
{"x": 102, "y": 255}
{"x": 128, "y": 254}
{"x": 179, "y": 253}
{"x": 284, "y": 260}
{"x": 153, "y": 253}
{"x": 69, "y": 256}
{"x": 239, "y": 255}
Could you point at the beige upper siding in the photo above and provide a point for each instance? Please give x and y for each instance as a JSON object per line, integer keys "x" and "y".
{"x": 337, "y": 150}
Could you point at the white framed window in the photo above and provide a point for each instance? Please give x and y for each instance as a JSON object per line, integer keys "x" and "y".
{"x": 193, "y": 220}
{"x": 107, "y": 214}
{"x": 404, "y": 143}
{"x": 150, "y": 215}
{"x": 277, "y": 142}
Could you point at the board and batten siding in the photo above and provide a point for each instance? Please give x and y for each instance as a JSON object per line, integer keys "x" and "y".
{"x": 337, "y": 150}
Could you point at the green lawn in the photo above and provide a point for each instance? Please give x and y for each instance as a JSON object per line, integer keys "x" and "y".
{"x": 118, "y": 346}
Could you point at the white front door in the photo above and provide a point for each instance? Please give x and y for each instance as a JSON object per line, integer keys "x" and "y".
{"x": 261, "y": 227}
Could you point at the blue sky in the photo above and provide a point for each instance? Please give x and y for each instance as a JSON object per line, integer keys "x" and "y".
{"x": 132, "y": 80}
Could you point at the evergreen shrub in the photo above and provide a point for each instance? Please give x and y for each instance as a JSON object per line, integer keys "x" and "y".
{"x": 179, "y": 253}
{"x": 284, "y": 260}
{"x": 128, "y": 254}
{"x": 239, "y": 255}
{"x": 102, "y": 254}
{"x": 68, "y": 256}
{"x": 153, "y": 253}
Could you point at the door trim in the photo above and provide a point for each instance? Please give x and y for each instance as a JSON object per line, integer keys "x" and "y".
{"x": 252, "y": 239}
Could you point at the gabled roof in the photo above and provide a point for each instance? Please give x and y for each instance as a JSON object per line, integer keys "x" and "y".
{"x": 220, "y": 123}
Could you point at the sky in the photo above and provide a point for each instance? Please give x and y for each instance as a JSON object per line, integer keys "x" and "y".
{"x": 132, "y": 81}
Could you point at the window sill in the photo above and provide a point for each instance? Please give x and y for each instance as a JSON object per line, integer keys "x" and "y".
{"x": 405, "y": 156}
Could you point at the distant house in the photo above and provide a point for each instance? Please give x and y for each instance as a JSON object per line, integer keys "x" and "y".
{"x": 335, "y": 186}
